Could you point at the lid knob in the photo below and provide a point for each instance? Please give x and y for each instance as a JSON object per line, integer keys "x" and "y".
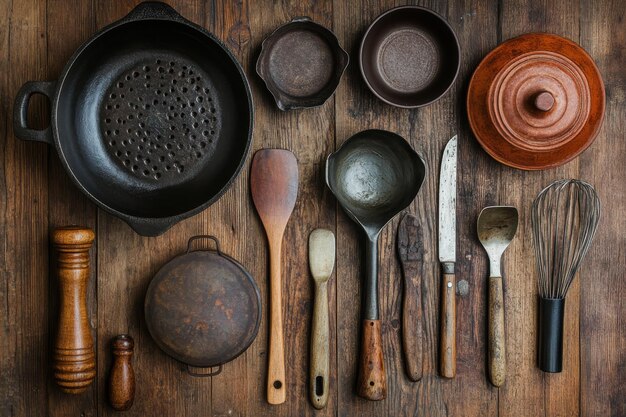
{"x": 544, "y": 101}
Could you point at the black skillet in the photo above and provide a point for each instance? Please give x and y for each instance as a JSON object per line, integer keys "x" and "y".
{"x": 151, "y": 118}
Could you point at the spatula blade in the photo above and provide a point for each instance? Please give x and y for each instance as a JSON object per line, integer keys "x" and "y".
{"x": 274, "y": 185}
{"x": 321, "y": 254}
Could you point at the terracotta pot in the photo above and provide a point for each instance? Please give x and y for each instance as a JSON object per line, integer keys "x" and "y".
{"x": 536, "y": 101}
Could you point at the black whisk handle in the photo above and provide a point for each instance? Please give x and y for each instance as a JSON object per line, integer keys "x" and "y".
{"x": 550, "y": 352}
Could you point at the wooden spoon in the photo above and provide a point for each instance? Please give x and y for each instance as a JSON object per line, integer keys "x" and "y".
{"x": 274, "y": 186}
{"x": 321, "y": 262}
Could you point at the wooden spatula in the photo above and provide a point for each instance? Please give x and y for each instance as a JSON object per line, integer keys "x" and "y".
{"x": 274, "y": 186}
{"x": 321, "y": 262}
{"x": 411, "y": 258}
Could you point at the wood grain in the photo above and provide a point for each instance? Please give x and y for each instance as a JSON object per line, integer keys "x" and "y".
{"x": 74, "y": 358}
{"x": 602, "y": 318}
{"x": 528, "y": 390}
{"x": 496, "y": 349}
{"x": 321, "y": 263}
{"x": 274, "y": 189}
{"x": 411, "y": 255}
{"x": 121, "y": 387}
{"x": 372, "y": 383}
{"x": 66, "y": 31}
{"x": 447, "y": 352}
{"x": 36, "y": 40}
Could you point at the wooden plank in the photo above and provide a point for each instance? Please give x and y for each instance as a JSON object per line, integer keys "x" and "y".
{"x": 470, "y": 392}
{"x": 126, "y": 264}
{"x": 309, "y": 134}
{"x": 24, "y": 352}
{"x": 67, "y": 204}
{"x": 603, "y": 328}
{"x": 230, "y": 216}
{"x": 428, "y": 130}
{"x": 528, "y": 390}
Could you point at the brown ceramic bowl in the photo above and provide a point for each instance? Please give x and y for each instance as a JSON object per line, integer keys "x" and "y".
{"x": 409, "y": 56}
{"x": 301, "y": 63}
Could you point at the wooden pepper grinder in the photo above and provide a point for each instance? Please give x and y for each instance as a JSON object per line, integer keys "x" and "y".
{"x": 74, "y": 359}
{"x": 122, "y": 377}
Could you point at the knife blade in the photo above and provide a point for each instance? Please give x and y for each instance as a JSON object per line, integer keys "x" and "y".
{"x": 447, "y": 257}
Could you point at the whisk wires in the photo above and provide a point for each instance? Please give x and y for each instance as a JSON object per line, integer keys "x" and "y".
{"x": 565, "y": 218}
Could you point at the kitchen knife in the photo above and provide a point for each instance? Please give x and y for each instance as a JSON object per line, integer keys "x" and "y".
{"x": 447, "y": 258}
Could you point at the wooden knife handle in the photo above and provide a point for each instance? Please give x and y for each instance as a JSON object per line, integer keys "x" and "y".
{"x": 74, "y": 361}
{"x": 122, "y": 377}
{"x": 276, "y": 390}
{"x": 320, "y": 351}
{"x": 372, "y": 383}
{"x": 412, "y": 332}
{"x": 497, "y": 344}
{"x": 448, "y": 326}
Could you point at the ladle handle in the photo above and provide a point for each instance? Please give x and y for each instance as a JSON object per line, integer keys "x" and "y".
{"x": 497, "y": 345}
{"x": 372, "y": 383}
{"x": 448, "y": 325}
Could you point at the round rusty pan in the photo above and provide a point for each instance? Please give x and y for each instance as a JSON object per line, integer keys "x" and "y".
{"x": 203, "y": 308}
{"x": 409, "y": 56}
{"x": 536, "y": 101}
{"x": 301, "y": 63}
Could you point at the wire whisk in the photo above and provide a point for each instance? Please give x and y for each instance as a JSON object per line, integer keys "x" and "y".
{"x": 565, "y": 218}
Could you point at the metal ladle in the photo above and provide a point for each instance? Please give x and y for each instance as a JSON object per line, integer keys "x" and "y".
{"x": 496, "y": 228}
{"x": 374, "y": 175}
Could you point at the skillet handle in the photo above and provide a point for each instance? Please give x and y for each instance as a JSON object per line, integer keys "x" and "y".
{"x": 151, "y": 10}
{"x": 149, "y": 227}
{"x": 20, "y": 111}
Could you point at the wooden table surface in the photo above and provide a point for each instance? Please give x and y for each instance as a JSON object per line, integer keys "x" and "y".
{"x": 36, "y": 39}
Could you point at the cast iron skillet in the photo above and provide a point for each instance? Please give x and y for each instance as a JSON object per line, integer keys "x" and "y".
{"x": 151, "y": 118}
{"x": 203, "y": 308}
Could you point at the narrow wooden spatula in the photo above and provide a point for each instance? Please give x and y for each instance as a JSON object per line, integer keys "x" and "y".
{"x": 274, "y": 187}
{"x": 411, "y": 257}
{"x": 321, "y": 262}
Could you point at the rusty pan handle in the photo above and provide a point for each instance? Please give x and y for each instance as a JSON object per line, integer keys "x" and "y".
{"x": 202, "y": 375}
{"x": 198, "y": 237}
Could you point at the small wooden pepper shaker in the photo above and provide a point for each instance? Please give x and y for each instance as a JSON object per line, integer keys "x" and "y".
{"x": 74, "y": 359}
{"x": 122, "y": 377}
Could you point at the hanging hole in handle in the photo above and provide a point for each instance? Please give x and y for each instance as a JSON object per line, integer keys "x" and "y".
{"x": 199, "y": 237}
{"x": 192, "y": 372}
{"x": 319, "y": 386}
{"x": 277, "y": 384}
{"x": 38, "y": 117}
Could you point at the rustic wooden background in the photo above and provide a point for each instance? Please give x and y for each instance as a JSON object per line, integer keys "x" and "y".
{"x": 36, "y": 39}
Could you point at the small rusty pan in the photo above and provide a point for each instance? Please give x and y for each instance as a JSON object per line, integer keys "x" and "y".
{"x": 301, "y": 63}
{"x": 409, "y": 56}
{"x": 203, "y": 308}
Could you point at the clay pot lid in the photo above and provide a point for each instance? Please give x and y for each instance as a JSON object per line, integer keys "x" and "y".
{"x": 536, "y": 101}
